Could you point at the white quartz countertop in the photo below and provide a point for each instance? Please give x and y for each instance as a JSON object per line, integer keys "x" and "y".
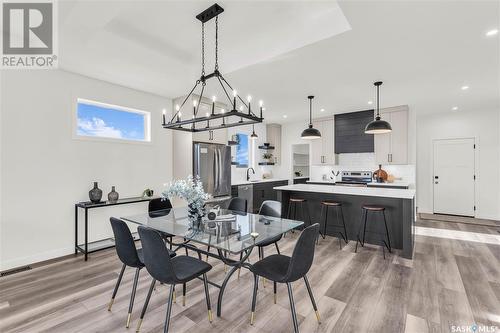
{"x": 348, "y": 190}
{"x": 258, "y": 181}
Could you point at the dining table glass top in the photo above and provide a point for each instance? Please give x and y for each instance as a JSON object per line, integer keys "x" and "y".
{"x": 231, "y": 231}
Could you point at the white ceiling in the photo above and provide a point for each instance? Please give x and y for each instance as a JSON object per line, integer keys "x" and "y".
{"x": 424, "y": 51}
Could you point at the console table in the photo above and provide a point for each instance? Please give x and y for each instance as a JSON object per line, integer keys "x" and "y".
{"x": 87, "y": 247}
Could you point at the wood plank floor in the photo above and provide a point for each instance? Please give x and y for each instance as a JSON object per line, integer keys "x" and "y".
{"x": 454, "y": 279}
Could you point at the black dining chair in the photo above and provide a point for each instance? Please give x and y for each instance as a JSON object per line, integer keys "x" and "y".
{"x": 238, "y": 204}
{"x": 129, "y": 256}
{"x": 284, "y": 269}
{"x": 171, "y": 271}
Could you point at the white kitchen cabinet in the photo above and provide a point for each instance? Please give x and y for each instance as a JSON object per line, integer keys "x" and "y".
{"x": 217, "y": 136}
{"x": 392, "y": 148}
{"x": 322, "y": 150}
{"x": 273, "y": 136}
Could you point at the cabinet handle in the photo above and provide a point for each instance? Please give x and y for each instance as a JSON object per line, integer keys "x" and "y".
{"x": 391, "y": 158}
{"x": 388, "y": 160}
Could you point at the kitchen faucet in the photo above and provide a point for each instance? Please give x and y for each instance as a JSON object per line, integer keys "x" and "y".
{"x": 248, "y": 174}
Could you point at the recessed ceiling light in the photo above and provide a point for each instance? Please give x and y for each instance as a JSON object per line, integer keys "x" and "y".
{"x": 370, "y": 102}
{"x": 465, "y": 87}
{"x": 455, "y": 108}
{"x": 492, "y": 32}
{"x": 285, "y": 116}
{"x": 322, "y": 110}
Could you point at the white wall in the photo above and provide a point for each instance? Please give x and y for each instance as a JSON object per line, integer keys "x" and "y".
{"x": 484, "y": 127}
{"x": 44, "y": 171}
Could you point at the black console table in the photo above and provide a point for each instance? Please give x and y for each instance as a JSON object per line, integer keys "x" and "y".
{"x": 87, "y": 247}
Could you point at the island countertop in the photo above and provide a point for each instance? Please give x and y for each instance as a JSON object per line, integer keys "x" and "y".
{"x": 351, "y": 190}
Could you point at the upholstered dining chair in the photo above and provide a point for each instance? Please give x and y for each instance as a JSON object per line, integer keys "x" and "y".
{"x": 129, "y": 256}
{"x": 284, "y": 269}
{"x": 170, "y": 271}
{"x": 238, "y": 204}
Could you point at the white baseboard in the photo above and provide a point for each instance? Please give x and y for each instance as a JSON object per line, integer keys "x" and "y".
{"x": 28, "y": 260}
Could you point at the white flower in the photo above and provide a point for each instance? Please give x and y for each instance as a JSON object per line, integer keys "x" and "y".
{"x": 191, "y": 190}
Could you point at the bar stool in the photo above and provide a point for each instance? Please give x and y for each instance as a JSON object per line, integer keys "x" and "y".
{"x": 337, "y": 207}
{"x": 375, "y": 210}
{"x": 292, "y": 210}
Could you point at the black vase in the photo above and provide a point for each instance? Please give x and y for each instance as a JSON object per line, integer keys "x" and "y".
{"x": 95, "y": 194}
{"x": 113, "y": 195}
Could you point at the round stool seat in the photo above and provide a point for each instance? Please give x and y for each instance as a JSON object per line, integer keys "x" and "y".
{"x": 297, "y": 200}
{"x": 331, "y": 203}
{"x": 373, "y": 207}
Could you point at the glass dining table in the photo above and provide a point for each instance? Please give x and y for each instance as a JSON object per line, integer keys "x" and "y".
{"x": 230, "y": 233}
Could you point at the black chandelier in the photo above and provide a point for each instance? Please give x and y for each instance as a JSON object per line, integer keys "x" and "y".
{"x": 237, "y": 116}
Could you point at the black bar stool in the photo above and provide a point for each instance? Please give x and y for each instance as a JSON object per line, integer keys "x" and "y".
{"x": 292, "y": 210}
{"x": 364, "y": 216}
{"x": 337, "y": 207}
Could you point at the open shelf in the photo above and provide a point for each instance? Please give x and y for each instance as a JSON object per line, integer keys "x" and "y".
{"x": 266, "y": 163}
{"x": 266, "y": 147}
{"x": 232, "y": 143}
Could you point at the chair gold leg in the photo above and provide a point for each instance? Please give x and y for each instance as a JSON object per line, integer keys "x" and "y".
{"x": 111, "y": 304}
{"x": 318, "y": 317}
{"x": 210, "y": 315}
{"x": 252, "y": 317}
{"x": 138, "y": 326}
{"x": 128, "y": 320}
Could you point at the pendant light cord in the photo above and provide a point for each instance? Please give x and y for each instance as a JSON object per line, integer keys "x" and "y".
{"x": 378, "y": 101}
{"x": 217, "y": 42}
{"x": 203, "y": 49}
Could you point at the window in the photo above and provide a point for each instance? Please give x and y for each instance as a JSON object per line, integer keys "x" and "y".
{"x": 242, "y": 151}
{"x": 99, "y": 120}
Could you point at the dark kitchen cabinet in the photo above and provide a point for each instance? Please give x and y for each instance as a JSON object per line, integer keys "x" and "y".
{"x": 264, "y": 191}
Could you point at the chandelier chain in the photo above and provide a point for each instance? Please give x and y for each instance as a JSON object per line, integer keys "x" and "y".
{"x": 203, "y": 49}
{"x": 217, "y": 42}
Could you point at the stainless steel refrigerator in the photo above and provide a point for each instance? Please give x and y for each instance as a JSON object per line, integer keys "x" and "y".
{"x": 212, "y": 162}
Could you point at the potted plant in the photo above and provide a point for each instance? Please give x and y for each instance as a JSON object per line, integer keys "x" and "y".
{"x": 268, "y": 157}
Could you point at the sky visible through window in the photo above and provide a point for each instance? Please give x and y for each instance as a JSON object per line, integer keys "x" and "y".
{"x": 242, "y": 151}
{"x": 109, "y": 122}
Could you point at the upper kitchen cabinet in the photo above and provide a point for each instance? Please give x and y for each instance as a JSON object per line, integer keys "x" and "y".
{"x": 273, "y": 135}
{"x": 392, "y": 148}
{"x": 350, "y": 134}
{"x": 322, "y": 149}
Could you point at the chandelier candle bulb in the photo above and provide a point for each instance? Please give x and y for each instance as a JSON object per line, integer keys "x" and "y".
{"x": 235, "y": 93}
{"x": 260, "y": 104}
{"x": 177, "y": 108}
{"x": 163, "y": 116}
{"x": 213, "y": 106}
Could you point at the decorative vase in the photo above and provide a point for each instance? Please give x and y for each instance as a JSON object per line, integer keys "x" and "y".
{"x": 95, "y": 194}
{"x": 195, "y": 216}
{"x": 113, "y": 195}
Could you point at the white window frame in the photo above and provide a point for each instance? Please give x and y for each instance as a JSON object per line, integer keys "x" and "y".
{"x": 147, "y": 123}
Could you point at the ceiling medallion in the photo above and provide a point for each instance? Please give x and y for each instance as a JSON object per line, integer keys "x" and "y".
{"x": 237, "y": 116}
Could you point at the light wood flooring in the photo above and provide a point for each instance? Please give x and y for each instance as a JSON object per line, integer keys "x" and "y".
{"x": 452, "y": 280}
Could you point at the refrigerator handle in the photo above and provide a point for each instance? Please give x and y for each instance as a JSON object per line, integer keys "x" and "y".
{"x": 216, "y": 170}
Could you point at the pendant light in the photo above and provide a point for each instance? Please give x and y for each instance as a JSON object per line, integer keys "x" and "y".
{"x": 310, "y": 133}
{"x": 378, "y": 126}
{"x": 253, "y": 136}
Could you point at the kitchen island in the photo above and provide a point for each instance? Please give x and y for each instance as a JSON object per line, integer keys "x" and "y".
{"x": 399, "y": 204}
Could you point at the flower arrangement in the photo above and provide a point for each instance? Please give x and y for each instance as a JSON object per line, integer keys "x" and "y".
{"x": 191, "y": 190}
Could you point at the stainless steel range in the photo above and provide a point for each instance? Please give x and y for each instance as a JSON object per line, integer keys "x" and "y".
{"x": 355, "y": 178}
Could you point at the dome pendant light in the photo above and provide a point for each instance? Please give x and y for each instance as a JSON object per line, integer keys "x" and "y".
{"x": 310, "y": 133}
{"x": 378, "y": 126}
{"x": 253, "y": 136}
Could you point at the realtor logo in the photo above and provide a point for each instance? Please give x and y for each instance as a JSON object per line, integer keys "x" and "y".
{"x": 28, "y": 35}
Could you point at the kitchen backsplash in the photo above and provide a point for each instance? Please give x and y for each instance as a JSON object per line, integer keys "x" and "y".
{"x": 363, "y": 162}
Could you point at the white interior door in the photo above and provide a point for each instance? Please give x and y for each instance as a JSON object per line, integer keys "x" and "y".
{"x": 454, "y": 176}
